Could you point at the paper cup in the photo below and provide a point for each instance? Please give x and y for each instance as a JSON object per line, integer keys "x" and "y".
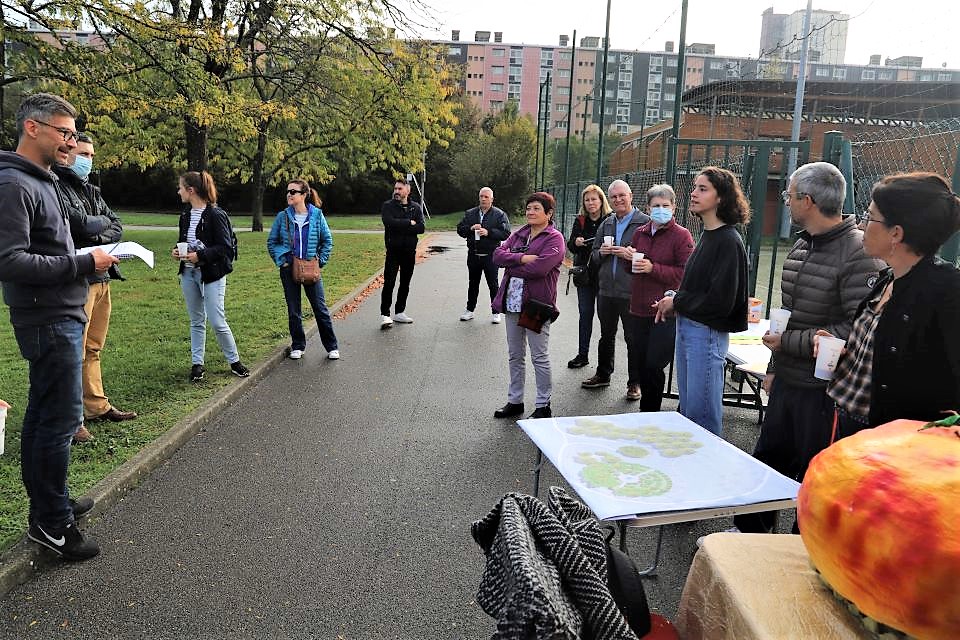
{"x": 827, "y": 357}
{"x": 754, "y": 310}
{"x": 637, "y": 257}
{"x": 476, "y": 234}
{"x": 182, "y": 250}
{"x": 778, "y": 320}
{"x": 608, "y": 241}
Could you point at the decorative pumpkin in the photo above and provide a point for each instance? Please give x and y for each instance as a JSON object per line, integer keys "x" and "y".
{"x": 879, "y": 514}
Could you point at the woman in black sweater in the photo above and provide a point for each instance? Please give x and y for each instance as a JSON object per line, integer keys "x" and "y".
{"x": 712, "y": 300}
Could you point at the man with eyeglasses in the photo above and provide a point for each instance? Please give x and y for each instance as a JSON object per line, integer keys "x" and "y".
{"x": 616, "y": 286}
{"x": 825, "y": 276}
{"x": 92, "y": 223}
{"x": 45, "y": 287}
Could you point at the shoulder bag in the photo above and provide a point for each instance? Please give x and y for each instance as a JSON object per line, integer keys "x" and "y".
{"x": 303, "y": 270}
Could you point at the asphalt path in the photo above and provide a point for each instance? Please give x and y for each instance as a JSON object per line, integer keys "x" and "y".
{"x": 334, "y": 499}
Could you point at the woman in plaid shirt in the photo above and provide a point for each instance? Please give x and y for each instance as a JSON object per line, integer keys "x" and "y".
{"x": 902, "y": 358}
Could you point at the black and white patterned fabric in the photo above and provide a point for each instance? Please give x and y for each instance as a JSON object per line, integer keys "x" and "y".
{"x": 546, "y": 571}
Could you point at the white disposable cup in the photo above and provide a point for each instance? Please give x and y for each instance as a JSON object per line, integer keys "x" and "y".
{"x": 827, "y": 356}
{"x": 637, "y": 257}
{"x": 3, "y": 426}
{"x": 778, "y": 320}
{"x": 182, "y": 250}
{"x": 608, "y": 241}
{"x": 476, "y": 234}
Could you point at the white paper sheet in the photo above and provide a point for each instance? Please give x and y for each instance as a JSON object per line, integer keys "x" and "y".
{"x": 123, "y": 250}
{"x": 641, "y": 463}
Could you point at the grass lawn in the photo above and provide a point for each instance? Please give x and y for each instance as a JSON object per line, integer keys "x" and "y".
{"x": 445, "y": 222}
{"x": 147, "y": 355}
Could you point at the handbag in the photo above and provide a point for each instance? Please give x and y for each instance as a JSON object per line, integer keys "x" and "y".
{"x": 303, "y": 270}
{"x": 533, "y": 315}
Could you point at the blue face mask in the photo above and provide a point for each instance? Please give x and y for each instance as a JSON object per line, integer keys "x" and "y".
{"x": 661, "y": 215}
{"x": 82, "y": 166}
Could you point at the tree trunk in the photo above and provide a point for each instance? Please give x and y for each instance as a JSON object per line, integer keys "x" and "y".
{"x": 196, "y": 138}
{"x": 257, "y": 180}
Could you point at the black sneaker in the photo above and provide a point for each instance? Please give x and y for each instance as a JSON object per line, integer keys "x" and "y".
{"x": 81, "y": 507}
{"x": 239, "y": 370}
{"x": 541, "y": 412}
{"x": 196, "y": 372}
{"x": 509, "y": 410}
{"x": 68, "y": 542}
{"x": 579, "y": 361}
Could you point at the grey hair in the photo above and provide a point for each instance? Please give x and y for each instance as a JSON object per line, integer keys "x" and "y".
{"x": 482, "y": 189}
{"x": 618, "y": 182}
{"x": 824, "y": 183}
{"x": 40, "y": 106}
{"x": 661, "y": 191}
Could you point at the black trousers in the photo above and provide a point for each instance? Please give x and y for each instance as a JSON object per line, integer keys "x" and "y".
{"x": 653, "y": 343}
{"x": 796, "y": 427}
{"x": 401, "y": 260}
{"x": 611, "y": 312}
{"x": 480, "y": 266}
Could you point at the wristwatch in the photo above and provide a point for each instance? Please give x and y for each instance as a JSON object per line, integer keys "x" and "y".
{"x": 669, "y": 293}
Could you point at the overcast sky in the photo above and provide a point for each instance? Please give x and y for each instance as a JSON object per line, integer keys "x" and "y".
{"x": 892, "y": 28}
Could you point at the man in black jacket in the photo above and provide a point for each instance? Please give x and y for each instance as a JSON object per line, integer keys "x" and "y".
{"x": 484, "y": 227}
{"x": 45, "y": 288}
{"x": 825, "y": 276}
{"x": 92, "y": 223}
{"x": 402, "y": 223}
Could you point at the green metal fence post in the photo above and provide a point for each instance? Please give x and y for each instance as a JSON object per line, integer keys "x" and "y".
{"x": 758, "y": 197}
{"x": 846, "y": 168}
{"x": 952, "y": 246}
{"x": 831, "y": 147}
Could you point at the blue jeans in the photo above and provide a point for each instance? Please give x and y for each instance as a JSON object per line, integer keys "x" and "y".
{"x": 587, "y": 305}
{"x": 205, "y": 302}
{"x": 700, "y": 358}
{"x": 54, "y": 412}
{"x": 291, "y": 293}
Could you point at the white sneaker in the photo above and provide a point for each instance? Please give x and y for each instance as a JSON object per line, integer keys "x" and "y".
{"x": 333, "y": 355}
{"x": 496, "y": 318}
{"x": 386, "y": 322}
{"x": 466, "y": 315}
{"x": 402, "y": 318}
{"x": 296, "y": 354}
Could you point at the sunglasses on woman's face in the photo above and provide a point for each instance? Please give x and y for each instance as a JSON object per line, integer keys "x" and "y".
{"x": 295, "y": 192}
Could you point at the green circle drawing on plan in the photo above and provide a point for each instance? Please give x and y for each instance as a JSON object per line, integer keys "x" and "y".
{"x": 633, "y": 452}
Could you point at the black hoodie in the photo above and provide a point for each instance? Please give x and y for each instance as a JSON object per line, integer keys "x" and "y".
{"x": 43, "y": 281}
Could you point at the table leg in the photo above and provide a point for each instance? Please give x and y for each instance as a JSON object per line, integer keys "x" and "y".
{"x": 536, "y": 473}
{"x": 651, "y": 570}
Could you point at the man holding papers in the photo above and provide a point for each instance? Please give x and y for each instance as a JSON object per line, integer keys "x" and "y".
{"x": 91, "y": 223}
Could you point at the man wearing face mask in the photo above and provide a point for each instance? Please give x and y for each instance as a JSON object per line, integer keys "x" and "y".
{"x": 661, "y": 248}
{"x": 92, "y": 223}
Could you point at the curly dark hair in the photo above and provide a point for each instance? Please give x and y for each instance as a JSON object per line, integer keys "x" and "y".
{"x": 733, "y": 207}
{"x": 922, "y": 204}
{"x": 546, "y": 200}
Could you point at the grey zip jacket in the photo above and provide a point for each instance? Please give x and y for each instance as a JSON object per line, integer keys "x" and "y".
{"x": 43, "y": 281}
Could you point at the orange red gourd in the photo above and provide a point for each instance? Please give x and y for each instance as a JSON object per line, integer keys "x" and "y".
{"x": 879, "y": 514}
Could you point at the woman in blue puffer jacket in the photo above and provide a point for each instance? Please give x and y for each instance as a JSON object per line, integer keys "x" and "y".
{"x": 300, "y": 230}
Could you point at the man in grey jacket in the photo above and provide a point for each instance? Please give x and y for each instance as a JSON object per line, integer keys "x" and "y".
{"x": 45, "y": 287}
{"x": 92, "y": 223}
{"x": 616, "y": 277}
{"x": 825, "y": 276}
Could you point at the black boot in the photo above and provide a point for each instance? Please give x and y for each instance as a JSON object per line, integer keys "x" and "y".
{"x": 579, "y": 361}
{"x": 508, "y": 410}
{"x": 542, "y": 412}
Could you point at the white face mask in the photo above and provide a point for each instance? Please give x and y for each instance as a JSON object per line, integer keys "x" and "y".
{"x": 661, "y": 215}
{"x": 82, "y": 166}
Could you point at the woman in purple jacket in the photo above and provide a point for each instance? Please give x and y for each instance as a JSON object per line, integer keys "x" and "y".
{"x": 531, "y": 259}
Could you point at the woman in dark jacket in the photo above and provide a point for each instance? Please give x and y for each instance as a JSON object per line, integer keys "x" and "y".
{"x": 205, "y": 228}
{"x": 665, "y": 247}
{"x": 594, "y": 207}
{"x": 902, "y": 358}
{"x": 531, "y": 259}
{"x": 301, "y": 231}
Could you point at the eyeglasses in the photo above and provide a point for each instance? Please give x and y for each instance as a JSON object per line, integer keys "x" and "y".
{"x": 294, "y": 192}
{"x": 67, "y": 134}
{"x": 787, "y": 196}
{"x": 866, "y": 218}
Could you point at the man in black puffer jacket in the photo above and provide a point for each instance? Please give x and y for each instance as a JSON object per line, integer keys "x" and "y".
{"x": 825, "y": 276}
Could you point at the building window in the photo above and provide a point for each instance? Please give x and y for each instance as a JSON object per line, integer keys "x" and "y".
{"x": 498, "y": 71}
{"x": 885, "y": 75}
{"x": 716, "y": 65}
{"x": 653, "y": 113}
{"x": 623, "y": 95}
{"x": 454, "y": 51}
{"x": 944, "y": 77}
{"x": 868, "y": 74}
{"x": 496, "y": 105}
{"x": 497, "y": 53}
{"x": 560, "y": 124}
{"x": 566, "y": 55}
{"x": 563, "y": 91}
{"x": 671, "y": 62}
{"x": 622, "y": 129}
{"x": 840, "y": 74}
{"x": 823, "y": 72}
{"x": 669, "y": 97}
{"x": 926, "y": 77}
{"x": 496, "y": 86}
{"x": 626, "y": 60}
{"x": 563, "y": 73}
{"x": 562, "y": 107}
